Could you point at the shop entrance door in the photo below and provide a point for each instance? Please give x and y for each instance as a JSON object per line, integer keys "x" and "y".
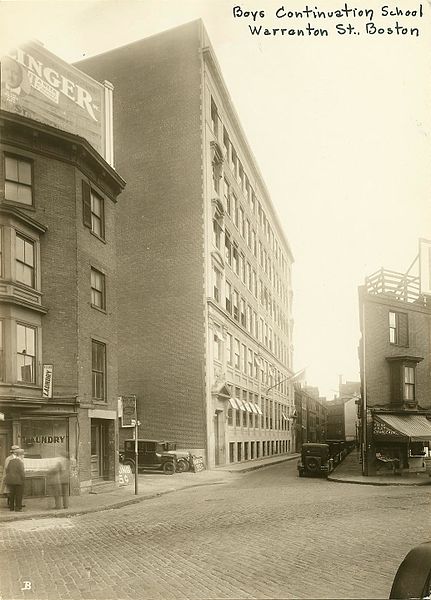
{"x": 99, "y": 451}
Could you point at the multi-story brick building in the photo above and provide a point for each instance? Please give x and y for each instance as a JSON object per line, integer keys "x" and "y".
{"x": 58, "y": 359}
{"x": 395, "y": 361}
{"x": 342, "y": 413}
{"x": 310, "y": 416}
{"x": 204, "y": 265}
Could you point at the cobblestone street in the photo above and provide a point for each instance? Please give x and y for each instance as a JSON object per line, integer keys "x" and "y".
{"x": 264, "y": 534}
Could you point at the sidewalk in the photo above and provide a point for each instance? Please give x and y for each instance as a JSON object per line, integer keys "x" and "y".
{"x": 350, "y": 471}
{"x": 150, "y": 485}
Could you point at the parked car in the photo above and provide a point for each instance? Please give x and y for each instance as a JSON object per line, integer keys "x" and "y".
{"x": 413, "y": 578}
{"x": 315, "y": 460}
{"x": 153, "y": 455}
{"x": 184, "y": 458}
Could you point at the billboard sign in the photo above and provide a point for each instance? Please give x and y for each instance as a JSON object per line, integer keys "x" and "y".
{"x": 38, "y": 85}
{"x": 425, "y": 266}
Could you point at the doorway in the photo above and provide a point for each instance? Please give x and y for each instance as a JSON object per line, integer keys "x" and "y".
{"x": 99, "y": 449}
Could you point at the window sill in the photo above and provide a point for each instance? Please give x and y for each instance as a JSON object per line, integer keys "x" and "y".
{"x": 103, "y": 240}
{"x": 20, "y": 204}
{"x": 101, "y": 310}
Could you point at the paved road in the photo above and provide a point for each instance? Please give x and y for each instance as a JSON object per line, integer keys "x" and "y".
{"x": 265, "y": 534}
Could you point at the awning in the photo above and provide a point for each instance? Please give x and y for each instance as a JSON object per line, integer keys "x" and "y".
{"x": 240, "y": 404}
{"x": 259, "y": 410}
{"x": 415, "y": 427}
{"x": 247, "y": 406}
{"x": 233, "y": 403}
{"x": 253, "y": 407}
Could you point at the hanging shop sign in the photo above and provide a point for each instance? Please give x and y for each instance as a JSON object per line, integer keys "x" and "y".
{"x": 47, "y": 381}
{"x": 38, "y": 85}
{"x": 128, "y": 414}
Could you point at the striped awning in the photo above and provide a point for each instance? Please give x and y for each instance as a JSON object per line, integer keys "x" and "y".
{"x": 415, "y": 427}
{"x": 233, "y": 403}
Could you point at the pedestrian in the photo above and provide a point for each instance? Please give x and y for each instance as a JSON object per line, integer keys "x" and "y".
{"x": 4, "y": 489}
{"x": 14, "y": 479}
{"x": 58, "y": 481}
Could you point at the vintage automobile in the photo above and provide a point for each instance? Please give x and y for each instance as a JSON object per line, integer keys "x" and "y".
{"x": 413, "y": 577}
{"x": 315, "y": 460}
{"x": 184, "y": 458}
{"x": 153, "y": 455}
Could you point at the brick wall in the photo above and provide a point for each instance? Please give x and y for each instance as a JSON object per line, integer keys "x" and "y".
{"x": 378, "y": 347}
{"x": 157, "y": 129}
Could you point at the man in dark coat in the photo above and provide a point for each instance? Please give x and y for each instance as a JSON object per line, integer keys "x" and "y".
{"x": 15, "y": 476}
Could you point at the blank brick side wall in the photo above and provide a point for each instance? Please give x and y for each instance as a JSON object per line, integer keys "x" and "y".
{"x": 55, "y": 208}
{"x": 157, "y": 128}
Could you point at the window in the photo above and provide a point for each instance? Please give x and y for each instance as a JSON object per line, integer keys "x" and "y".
{"x": 236, "y": 305}
{"x": 24, "y": 256}
{"x": 244, "y": 359}
{"x": 409, "y": 383}
{"x": 97, "y": 289}
{"x": 218, "y": 339}
{"x": 235, "y": 209}
{"x": 214, "y": 118}
{"x": 242, "y": 221}
{"x": 98, "y": 370}
{"x": 250, "y": 363}
{"x": 398, "y": 329}
{"x": 235, "y": 259}
{"x": 217, "y": 230}
{"x": 237, "y": 348}
{"x": 26, "y": 353}
{"x": 216, "y": 284}
{"x": 226, "y": 142}
{"x": 227, "y": 197}
{"x": 228, "y": 248}
{"x": 242, "y": 268}
{"x": 243, "y": 313}
{"x": 228, "y": 297}
{"x": 18, "y": 180}
{"x": 229, "y": 348}
{"x": 93, "y": 211}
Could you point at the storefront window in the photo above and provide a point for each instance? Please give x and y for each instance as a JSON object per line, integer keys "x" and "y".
{"x": 44, "y": 438}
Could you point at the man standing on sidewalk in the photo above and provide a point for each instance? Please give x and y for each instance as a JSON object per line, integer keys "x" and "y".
{"x": 4, "y": 489}
{"x": 14, "y": 479}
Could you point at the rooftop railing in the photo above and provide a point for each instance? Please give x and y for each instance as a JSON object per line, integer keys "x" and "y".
{"x": 397, "y": 286}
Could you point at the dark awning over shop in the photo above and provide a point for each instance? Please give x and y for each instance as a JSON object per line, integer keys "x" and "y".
{"x": 415, "y": 427}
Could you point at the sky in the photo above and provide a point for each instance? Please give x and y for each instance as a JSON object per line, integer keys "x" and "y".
{"x": 339, "y": 125}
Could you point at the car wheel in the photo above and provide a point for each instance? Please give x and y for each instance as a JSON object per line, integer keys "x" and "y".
{"x": 131, "y": 464}
{"x": 182, "y": 465}
{"x": 169, "y": 468}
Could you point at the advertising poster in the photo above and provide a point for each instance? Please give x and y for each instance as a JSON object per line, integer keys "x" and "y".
{"x": 39, "y": 85}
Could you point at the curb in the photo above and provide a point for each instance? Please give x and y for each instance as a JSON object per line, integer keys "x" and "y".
{"x": 255, "y": 467}
{"x": 84, "y": 511}
{"x": 377, "y": 483}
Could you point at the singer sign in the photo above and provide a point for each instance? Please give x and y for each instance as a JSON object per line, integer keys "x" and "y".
{"x": 38, "y": 85}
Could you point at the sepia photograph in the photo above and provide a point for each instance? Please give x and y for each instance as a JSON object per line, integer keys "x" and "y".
{"x": 215, "y": 299}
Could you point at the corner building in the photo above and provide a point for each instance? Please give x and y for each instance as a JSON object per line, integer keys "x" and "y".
{"x": 395, "y": 363}
{"x": 204, "y": 266}
{"x": 57, "y": 298}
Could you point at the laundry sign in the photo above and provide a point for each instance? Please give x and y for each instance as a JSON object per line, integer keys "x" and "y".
{"x": 47, "y": 381}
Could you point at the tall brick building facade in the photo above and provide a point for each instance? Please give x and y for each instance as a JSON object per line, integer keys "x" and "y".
{"x": 58, "y": 359}
{"x": 395, "y": 361}
{"x": 204, "y": 266}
